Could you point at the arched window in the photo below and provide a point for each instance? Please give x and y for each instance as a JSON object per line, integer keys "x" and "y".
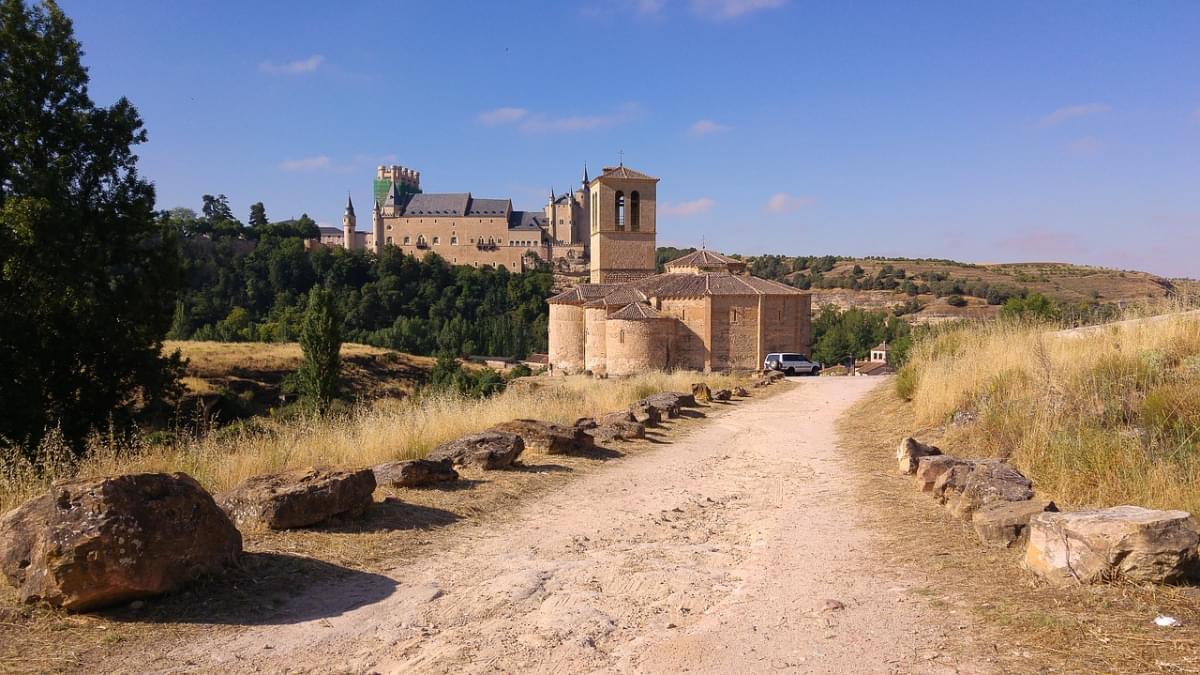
{"x": 635, "y": 211}
{"x": 620, "y": 203}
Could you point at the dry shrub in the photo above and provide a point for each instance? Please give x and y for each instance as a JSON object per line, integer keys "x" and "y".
{"x": 1097, "y": 417}
{"x": 384, "y": 430}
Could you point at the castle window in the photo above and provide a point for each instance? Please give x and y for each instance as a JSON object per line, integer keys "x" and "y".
{"x": 620, "y": 206}
{"x": 389, "y": 240}
{"x": 437, "y": 240}
{"x": 407, "y": 240}
{"x": 635, "y": 211}
{"x": 453, "y": 239}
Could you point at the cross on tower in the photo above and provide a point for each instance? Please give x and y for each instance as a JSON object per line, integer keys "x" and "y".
{"x": 621, "y": 157}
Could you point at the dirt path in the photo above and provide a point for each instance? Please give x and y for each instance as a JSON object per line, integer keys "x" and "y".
{"x": 717, "y": 552}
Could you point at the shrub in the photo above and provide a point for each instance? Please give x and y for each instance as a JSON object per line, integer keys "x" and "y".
{"x": 956, "y": 301}
{"x": 906, "y": 383}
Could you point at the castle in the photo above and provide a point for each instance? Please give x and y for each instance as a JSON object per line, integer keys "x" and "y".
{"x": 706, "y": 312}
{"x": 464, "y": 229}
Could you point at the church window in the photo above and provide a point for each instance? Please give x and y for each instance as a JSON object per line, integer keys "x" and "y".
{"x": 735, "y": 315}
{"x": 620, "y": 206}
{"x": 621, "y": 336}
{"x": 635, "y": 211}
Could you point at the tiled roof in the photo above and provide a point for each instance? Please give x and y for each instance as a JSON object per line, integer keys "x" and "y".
{"x": 881, "y": 347}
{"x": 619, "y": 295}
{"x": 703, "y": 258}
{"x": 636, "y": 311}
{"x": 328, "y": 231}
{"x": 719, "y": 283}
{"x": 625, "y": 172}
{"x": 581, "y": 294}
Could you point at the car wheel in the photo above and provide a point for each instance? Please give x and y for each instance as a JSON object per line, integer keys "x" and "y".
{"x": 791, "y": 371}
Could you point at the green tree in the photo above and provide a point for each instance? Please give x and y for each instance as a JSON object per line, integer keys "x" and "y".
{"x": 321, "y": 342}
{"x": 258, "y": 215}
{"x": 88, "y": 273}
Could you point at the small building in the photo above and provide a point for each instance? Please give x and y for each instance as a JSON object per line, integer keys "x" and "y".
{"x": 880, "y": 353}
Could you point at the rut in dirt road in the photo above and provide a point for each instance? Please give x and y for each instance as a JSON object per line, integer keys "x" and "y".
{"x": 734, "y": 548}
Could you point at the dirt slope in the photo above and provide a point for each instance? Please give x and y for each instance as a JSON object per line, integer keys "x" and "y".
{"x": 717, "y": 552}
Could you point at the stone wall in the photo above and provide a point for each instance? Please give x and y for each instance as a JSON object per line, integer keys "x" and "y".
{"x": 594, "y": 345}
{"x": 456, "y": 240}
{"x": 787, "y": 324}
{"x": 567, "y": 338}
{"x": 636, "y": 346}
{"x": 735, "y": 339}
{"x": 687, "y": 338}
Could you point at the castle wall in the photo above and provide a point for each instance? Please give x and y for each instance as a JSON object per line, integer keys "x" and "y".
{"x": 595, "y": 358}
{"x": 568, "y": 338}
{"x": 636, "y": 346}
{"x": 457, "y": 240}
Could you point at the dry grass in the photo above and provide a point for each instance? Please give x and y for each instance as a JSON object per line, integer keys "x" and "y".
{"x": 219, "y": 358}
{"x": 380, "y": 431}
{"x": 1096, "y": 417}
{"x": 1022, "y": 625}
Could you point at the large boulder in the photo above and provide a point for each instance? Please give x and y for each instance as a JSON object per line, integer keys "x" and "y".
{"x": 666, "y": 408}
{"x": 414, "y": 473}
{"x": 990, "y": 482}
{"x": 585, "y": 423}
{"x": 94, "y": 542}
{"x": 1002, "y": 524}
{"x": 740, "y": 391}
{"x": 618, "y": 431}
{"x": 701, "y": 392}
{"x": 910, "y": 453}
{"x": 722, "y": 395}
{"x": 953, "y": 481}
{"x": 932, "y": 467}
{"x": 646, "y": 415}
{"x": 282, "y": 501}
{"x": 1128, "y": 543}
{"x": 488, "y": 450}
{"x": 548, "y": 438}
{"x": 615, "y": 417}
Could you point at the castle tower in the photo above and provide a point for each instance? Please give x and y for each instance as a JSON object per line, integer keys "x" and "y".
{"x": 394, "y": 201}
{"x": 622, "y": 218}
{"x": 377, "y": 227}
{"x": 349, "y": 222}
{"x": 553, "y": 218}
{"x": 581, "y": 228}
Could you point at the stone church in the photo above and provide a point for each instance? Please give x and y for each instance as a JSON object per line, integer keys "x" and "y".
{"x": 706, "y": 312}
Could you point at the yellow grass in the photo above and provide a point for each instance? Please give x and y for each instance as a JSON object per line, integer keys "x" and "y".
{"x": 219, "y": 358}
{"x": 385, "y": 430}
{"x": 1095, "y": 417}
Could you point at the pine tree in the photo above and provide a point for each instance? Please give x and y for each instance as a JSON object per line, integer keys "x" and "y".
{"x": 321, "y": 342}
{"x": 258, "y": 214}
{"x": 88, "y": 274}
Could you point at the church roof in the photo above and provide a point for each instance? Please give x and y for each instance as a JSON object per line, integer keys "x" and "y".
{"x": 636, "y": 311}
{"x": 619, "y": 296}
{"x": 624, "y": 172}
{"x": 710, "y": 283}
{"x": 581, "y": 294}
{"x": 703, "y": 258}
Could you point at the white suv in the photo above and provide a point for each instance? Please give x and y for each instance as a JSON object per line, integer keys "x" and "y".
{"x": 792, "y": 364}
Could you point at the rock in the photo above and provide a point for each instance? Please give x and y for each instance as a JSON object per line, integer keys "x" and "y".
{"x": 722, "y": 395}
{"x": 953, "y": 481}
{"x": 620, "y": 431}
{"x": 700, "y": 392}
{"x": 647, "y": 415}
{"x": 95, "y": 542}
{"x": 666, "y": 407}
{"x": 488, "y": 450}
{"x": 1121, "y": 543}
{"x": 963, "y": 417}
{"x": 740, "y": 391}
{"x": 615, "y": 417}
{"x": 775, "y": 376}
{"x": 911, "y": 451}
{"x": 299, "y": 498}
{"x": 585, "y": 423}
{"x": 548, "y": 438}
{"x": 930, "y": 468}
{"x": 1002, "y": 524}
{"x": 990, "y": 482}
{"x": 414, "y": 473}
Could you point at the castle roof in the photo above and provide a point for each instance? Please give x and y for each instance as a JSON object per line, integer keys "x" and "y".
{"x": 636, "y": 311}
{"x": 624, "y": 172}
{"x": 437, "y": 204}
{"x": 487, "y": 207}
{"x": 704, "y": 259}
{"x": 526, "y": 221}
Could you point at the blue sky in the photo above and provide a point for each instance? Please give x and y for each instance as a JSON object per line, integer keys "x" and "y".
{"x": 981, "y": 132}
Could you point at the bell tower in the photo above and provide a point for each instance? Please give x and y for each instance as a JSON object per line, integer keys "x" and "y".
{"x": 621, "y": 204}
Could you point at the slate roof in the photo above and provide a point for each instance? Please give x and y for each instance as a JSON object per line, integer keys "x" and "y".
{"x": 625, "y": 172}
{"x": 636, "y": 311}
{"x": 526, "y": 221}
{"x": 488, "y": 207}
{"x": 703, "y": 258}
{"x": 437, "y": 204}
{"x": 327, "y": 231}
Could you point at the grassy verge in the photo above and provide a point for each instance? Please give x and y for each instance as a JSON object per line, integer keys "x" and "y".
{"x": 1026, "y": 625}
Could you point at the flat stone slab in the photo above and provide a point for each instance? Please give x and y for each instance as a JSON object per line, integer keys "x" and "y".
{"x": 300, "y": 498}
{"x": 1127, "y": 543}
{"x": 548, "y": 438}
{"x": 910, "y": 453}
{"x": 488, "y": 450}
{"x": 1003, "y": 524}
{"x": 414, "y": 473}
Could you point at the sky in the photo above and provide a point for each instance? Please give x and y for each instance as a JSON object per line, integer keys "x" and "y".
{"x": 984, "y": 132}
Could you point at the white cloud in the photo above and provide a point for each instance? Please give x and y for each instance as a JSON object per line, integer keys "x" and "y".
{"x": 705, "y": 127}
{"x": 684, "y": 209}
{"x": 306, "y": 163}
{"x": 1072, "y": 112}
{"x": 535, "y": 123}
{"x": 502, "y": 116}
{"x": 782, "y": 202}
{"x": 300, "y": 67}
{"x": 721, "y": 10}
